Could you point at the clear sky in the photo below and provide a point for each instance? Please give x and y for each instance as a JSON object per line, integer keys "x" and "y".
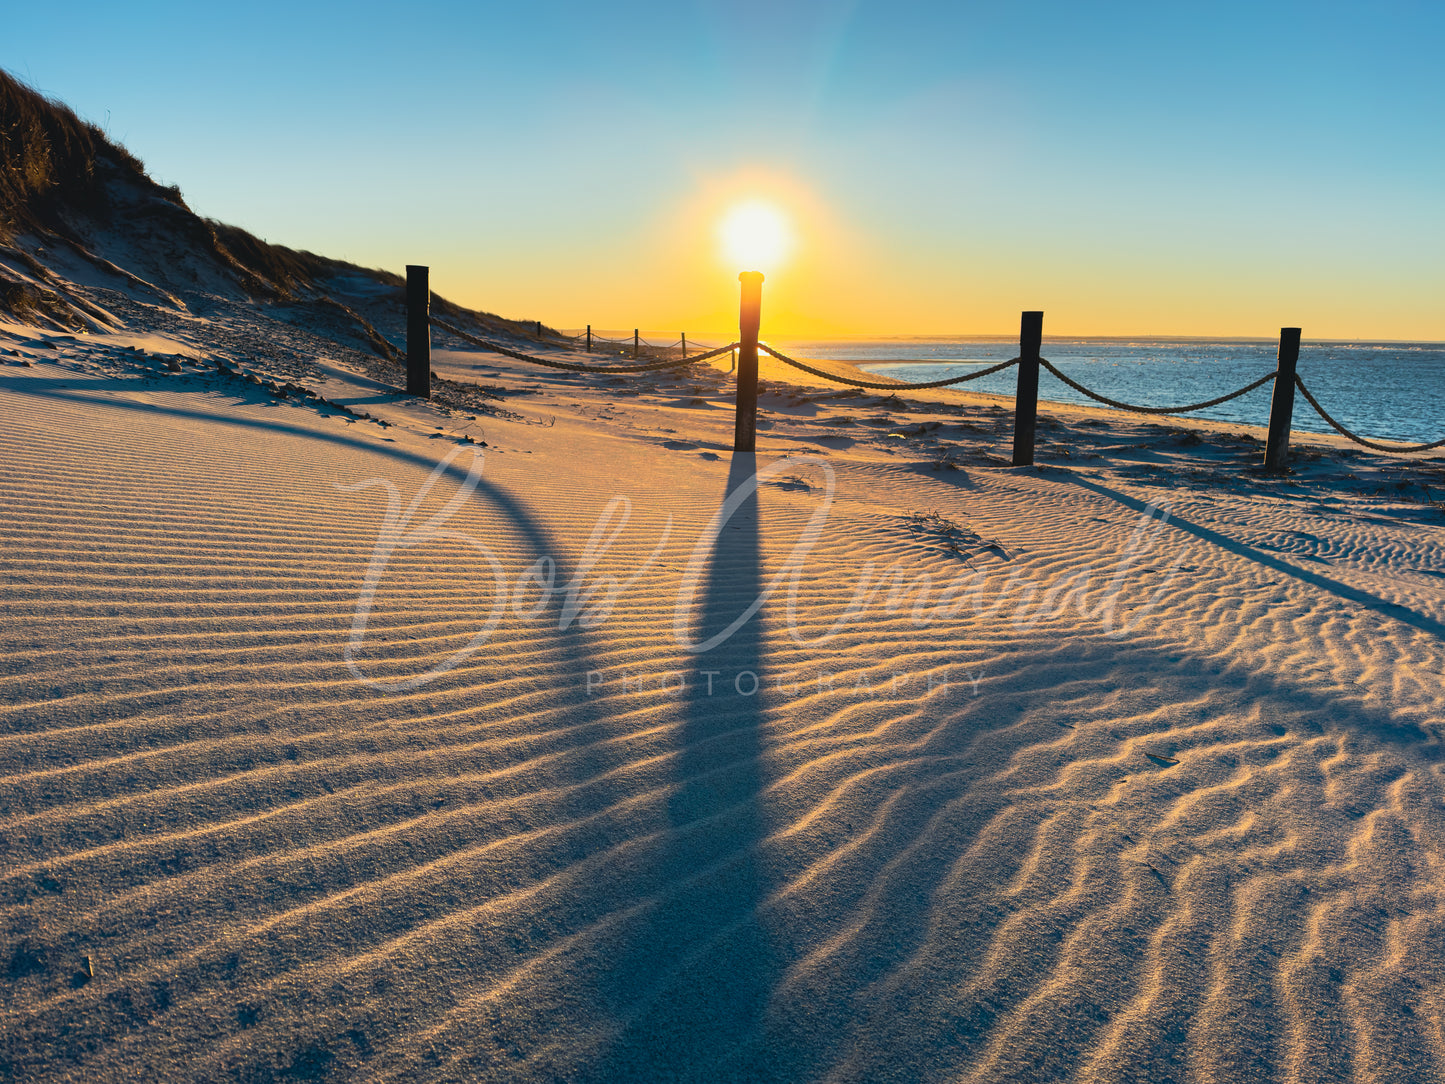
{"x": 1186, "y": 168}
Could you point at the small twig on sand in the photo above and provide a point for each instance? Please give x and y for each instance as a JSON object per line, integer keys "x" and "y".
{"x": 952, "y": 536}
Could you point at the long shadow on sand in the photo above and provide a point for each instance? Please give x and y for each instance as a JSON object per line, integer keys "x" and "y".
{"x": 952, "y": 944}
{"x": 408, "y": 985}
{"x": 708, "y": 963}
{"x": 690, "y": 984}
{"x": 945, "y": 955}
{"x": 1423, "y": 622}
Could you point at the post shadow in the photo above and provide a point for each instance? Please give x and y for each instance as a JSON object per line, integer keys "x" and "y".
{"x": 703, "y": 984}
{"x": 575, "y": 651}
{"x": 1423, "y": 622}
{"x": 708, "y": 992}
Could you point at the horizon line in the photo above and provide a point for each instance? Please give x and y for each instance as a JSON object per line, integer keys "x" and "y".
{"x": 1009, "y": 336}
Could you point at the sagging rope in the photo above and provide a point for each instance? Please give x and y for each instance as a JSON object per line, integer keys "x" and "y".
{"x": 598, "y": 337}
{"x": 885, "y": 387}
{"x": 1358, "y": 439}
{"x": 678, "y": 363}
{"x": 1153, "y": 410}
{"x": 649, "y": 367}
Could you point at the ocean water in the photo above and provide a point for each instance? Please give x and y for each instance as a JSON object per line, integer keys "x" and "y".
{"x": 1389, "y": 391}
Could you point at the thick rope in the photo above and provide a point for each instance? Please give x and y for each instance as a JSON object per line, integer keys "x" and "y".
{"x": 659, "y": 365}
{"x": 654, "y": 366}
{"x": 1153, "y": 410}
{"x": 886, "y": 387}
{"x": 1358, "y": 439}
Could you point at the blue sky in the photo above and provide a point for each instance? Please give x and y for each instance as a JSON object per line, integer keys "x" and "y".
{"x": 1165, "y": 168}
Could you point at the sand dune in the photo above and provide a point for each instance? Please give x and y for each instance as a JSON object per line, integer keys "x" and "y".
{"x": 1122, "y": 798}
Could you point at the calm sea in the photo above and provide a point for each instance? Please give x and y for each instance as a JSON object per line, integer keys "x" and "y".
{"x": 1394, "y": 391}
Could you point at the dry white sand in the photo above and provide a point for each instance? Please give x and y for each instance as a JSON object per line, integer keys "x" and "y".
{"x": 1121, "y": 799}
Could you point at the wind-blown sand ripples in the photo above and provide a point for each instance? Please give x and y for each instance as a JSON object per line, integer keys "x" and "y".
{"x": 1005, "y": 845}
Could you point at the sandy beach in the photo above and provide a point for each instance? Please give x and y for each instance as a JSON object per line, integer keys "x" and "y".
{"x": 560, "y": 743}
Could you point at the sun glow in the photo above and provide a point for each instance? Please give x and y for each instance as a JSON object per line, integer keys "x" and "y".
{"x": 755, "y": 236}
{"x": 754, "y": 219}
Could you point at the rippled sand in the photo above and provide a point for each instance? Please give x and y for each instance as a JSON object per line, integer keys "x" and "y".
{"x": 1141, "y": 796}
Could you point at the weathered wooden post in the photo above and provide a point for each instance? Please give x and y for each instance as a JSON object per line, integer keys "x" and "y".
{"x": 418, "y": 332}
{"x": 1026, "y": 396}
{"x": 634, "y": 342}
{"x": 684, "y": 344}
{"x": 589, "y": 338}
{"x": 749, "y": 321}
{"x": 1281, "y": 403}
{"x": 539, "y": 329}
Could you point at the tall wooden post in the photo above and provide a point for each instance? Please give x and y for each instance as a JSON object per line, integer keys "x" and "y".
{"x": 634, "y": 342}
{"x": 418, "y": 332}
{"x": 749, "y": 321}
{"x": 1281, "y": 403}
{"x": 1026, "y": 396}
{"x": 589, "y": 338}
{"x": 684, "y": 344}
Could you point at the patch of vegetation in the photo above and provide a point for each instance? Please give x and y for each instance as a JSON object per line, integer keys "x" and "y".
{"x": 57, "y": 170}
{"x": 951, "y": 535}
{"x": 51, "y": 159}
{"x": 23, "y": 300}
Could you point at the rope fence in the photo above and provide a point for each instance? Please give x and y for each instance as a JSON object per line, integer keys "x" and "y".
{"x": 552, "y": 363}
{"x": 1405, "y": 450}
{"x": 588, "y": 339}
{"x": 892, "y": 386}
{"x": 598, "y": 337}
{"x": 1265, "y": 379}
{"x": 1029, "y": 361}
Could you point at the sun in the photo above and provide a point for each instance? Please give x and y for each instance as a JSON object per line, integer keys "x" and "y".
{"x": 755, "y": 236}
